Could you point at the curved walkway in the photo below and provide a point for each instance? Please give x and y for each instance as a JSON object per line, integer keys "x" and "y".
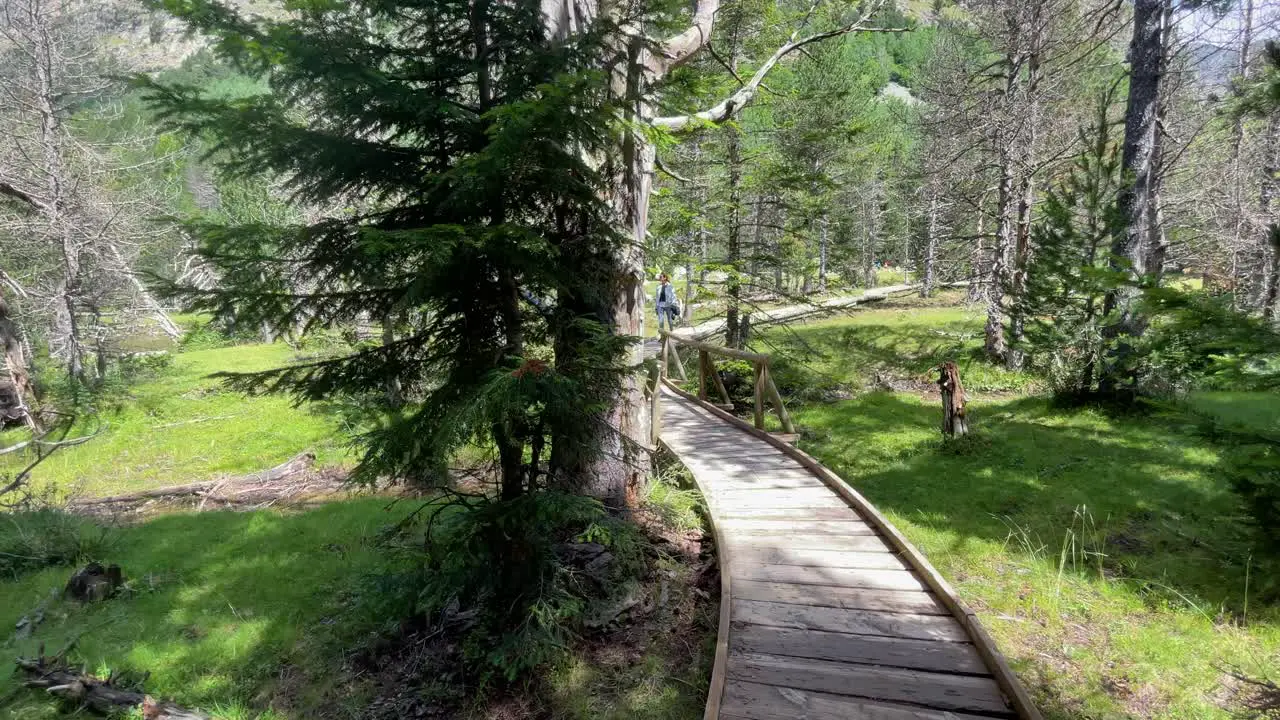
{"x": 826, "y": 612}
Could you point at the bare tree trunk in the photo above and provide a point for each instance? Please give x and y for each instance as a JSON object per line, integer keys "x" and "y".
{"x": 1237, "y": 141}
{"x": 1129, "y": 249}
{"x": 978, "y": 271}
{"x": 823, "y": 223}
{"x": 995, "y": 343}
{"x": 931, "y": 243}
{"x": 733, "y": 235}
{"x": 395, "y": 391}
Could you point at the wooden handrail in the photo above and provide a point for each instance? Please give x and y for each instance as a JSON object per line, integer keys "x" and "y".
{"x": 764, "y": 389}
{"x": 715, "y": 349}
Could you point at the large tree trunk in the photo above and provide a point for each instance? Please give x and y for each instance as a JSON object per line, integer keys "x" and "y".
{"x": 1001, "y": 255}
{"x": 1130, "y": 248}
{"x": 733, "y": 236}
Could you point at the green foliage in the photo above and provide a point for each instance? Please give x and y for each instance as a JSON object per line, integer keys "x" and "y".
{"x": 1254, "y": 471}
{"x": 1199, "y": 339}
{"x": 499, "y": 557}
{"x": 463, "y": 141}
{"x": 1069, "y": 277}
{"x": 34, "y": 539}
{"x": 176, "y": 424}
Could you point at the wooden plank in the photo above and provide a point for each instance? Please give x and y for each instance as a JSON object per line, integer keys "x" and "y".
{"x": 838, "y": 577}
{"x": 738, "y": 526}
{"x": 753, "y": 701}
{"x": 845, "y": 543}
{"x": 950, "y": 657}
{"x": 903, "y": 601}
{"x": 807, "y": 493}
{"x": 934, "y": 690}
{"x": 753, "y": 553}
{"x": 828, "y": 514}
{"x": 854, "y": 622}
{"x": 749, "y": 482}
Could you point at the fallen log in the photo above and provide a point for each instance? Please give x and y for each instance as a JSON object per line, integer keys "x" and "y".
{"x": 299, "y": 465}
{"x": 104, "y": 697}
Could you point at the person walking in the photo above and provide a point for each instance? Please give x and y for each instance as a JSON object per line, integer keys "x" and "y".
{"x": 666, "y": 304}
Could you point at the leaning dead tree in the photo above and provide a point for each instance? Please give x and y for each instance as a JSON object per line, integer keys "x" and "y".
{"x": 71, "y": 241}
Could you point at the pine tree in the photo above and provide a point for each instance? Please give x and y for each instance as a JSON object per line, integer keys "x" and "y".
{"x": 1069, "y": 276}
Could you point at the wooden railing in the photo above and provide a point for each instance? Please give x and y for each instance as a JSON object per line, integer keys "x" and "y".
{"x": 764, "y": 391}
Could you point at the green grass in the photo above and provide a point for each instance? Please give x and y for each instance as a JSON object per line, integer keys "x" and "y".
{"x": 182, "y": 426}
{"x": 900, "y": 342}
{"x": 1104, "y": 553}
{"x": 225, "y": 610}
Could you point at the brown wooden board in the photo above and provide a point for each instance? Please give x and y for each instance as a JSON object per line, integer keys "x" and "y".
{"x": 856, "y": 622}
{"x": 792, "y": 541}
{"x": 933, "y": 690}
{"x": 748, "y": 525}
{"x": 836, "y": 514}
{"x": 840, "y": 577}
{"x": 908, "y": 601}
{"x": 952, "y": 657}
{"x": 753, "y": 701}
{"x": 771, "y": 554}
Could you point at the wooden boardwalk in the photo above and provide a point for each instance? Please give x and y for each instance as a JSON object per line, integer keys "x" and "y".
{"x": 826, "y": 613}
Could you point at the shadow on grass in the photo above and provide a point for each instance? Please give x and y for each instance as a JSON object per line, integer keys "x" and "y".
{"x": 1137, "y": 494}
{"x": 228, "y": 610}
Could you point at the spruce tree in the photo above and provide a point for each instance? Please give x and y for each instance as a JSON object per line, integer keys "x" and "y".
{"x": 458, "y": 139}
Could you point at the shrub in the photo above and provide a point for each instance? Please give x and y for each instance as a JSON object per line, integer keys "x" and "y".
{"x": 501, "y": 558}
{"x": 1254, "y": 472}
{"x": 35, "y": 539}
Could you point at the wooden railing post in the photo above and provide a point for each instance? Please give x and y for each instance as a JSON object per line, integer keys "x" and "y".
{"x": 666, "y": 348}
{"x": 704, "y": 361}
{"x": 776, "y": 398}
{"x": 655, "y": 408}
{"x": 757, "y": 387}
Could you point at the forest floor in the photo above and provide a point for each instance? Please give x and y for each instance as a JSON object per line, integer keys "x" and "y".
{"x": 1105, "y": 553}
{"x": 294, "y": 611}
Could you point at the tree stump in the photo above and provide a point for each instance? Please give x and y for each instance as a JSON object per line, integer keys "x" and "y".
{"x": 954, "y": 422}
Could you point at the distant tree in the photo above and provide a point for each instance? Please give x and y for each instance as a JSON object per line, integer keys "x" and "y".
{"x": 66, "y": 235}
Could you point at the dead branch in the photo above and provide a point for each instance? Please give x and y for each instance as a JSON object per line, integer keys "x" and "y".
{"x": 105, "y": 697}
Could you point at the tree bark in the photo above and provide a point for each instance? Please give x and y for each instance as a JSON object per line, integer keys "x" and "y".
{"x": 13, "y": 362}
{"x": 733, "y": 236}
{"x": 931, "y": 243}
{"x": 1137, "y": 201}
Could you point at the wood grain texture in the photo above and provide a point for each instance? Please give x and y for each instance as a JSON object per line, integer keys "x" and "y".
{"x": 839, "y": 577}
{"x": 753, "y": 701}
{"x": 855, "y": 622}
{"x": 951, "y": 657}
{"x": 935, "y": 690}
{"x": 908, "y": 601}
